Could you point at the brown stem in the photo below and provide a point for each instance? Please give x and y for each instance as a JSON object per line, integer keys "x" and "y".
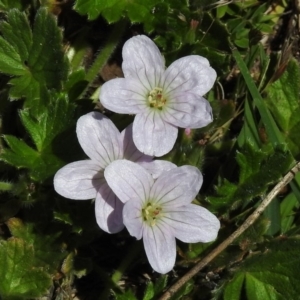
{"x": 249, "y": 221}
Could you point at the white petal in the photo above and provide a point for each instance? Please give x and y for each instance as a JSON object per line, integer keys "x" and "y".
{"x": 132, "y": 216}
{"x": 130, "y": 150}
{"x": 177, "y": 187}
{"x": 99, "y": 138}
{"x": 193, "y": 224}
{"x": 157, "y": 167}
{"x": 79, "y": 180}
{"x": 142, "y": 61}
{"x": 128, "y": 180}
{"x": 188, "y": 110}
{"x": 124, "y": 96}
{"x": 160, "y": 247}
{"x": 152, "y": 135}
{"x": 189, "y": 74}
{"x": 108, "y": 210}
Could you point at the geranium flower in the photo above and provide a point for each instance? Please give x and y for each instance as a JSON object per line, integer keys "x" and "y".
{"x": 82, "y": 180}
{"x": 162, "y": 100}
{"x": 160, "y": 210}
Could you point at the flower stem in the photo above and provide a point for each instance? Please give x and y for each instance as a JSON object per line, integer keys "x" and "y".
{"x": 125, "y": 263}
{"x": 106, "y": 52}
{"x": 249, "y": 221}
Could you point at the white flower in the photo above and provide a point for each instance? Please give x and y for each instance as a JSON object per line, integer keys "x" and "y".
{"x": 82, "y": 180}
{"x": 160, "y": 210}
{"x": 161, "y": 99}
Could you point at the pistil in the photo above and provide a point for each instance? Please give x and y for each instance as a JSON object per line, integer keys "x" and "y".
{"x": 156, "y": 98}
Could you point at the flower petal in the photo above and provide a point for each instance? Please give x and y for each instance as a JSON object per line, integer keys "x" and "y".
{"x": 188, "y": 110}
{"x": 157, "y": 167}
{"x": 99, "y": 138}
{"x": 189, "y": 74}
{"x": 79, "y": 180}
{"x": 108, "y": 210}
{"x": 177, "y": 187}
{"x": 160, "y": 247}
{"x": 124, "y": 96}
{"x": 193, "y": 223}
{"x": 128, "y": 180}
{"x": 133, "y": 218}
{"x": 152, "y": 135}
{"x": 130, "y": 150}
{"x": 143, "y": 61}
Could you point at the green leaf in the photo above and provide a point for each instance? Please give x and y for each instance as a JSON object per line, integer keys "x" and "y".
{"x": 10, "y": 60}
{"x": 149, "y": 292}
{"x": 9, "y": 4}
{"x": 49, "y": 123}
{"x": 258, "y": 169}
{"x": 17, "y": 32}
{"x": 37, "y": 56}
{"x": 114, "y": 10}
{"x": 233, "y": 289}
{"x": 184, "y": 290}
{"x": 20, "y": 155}
{"x": 273, "y": 274}
{"x": 288, "y": 208}
{"x": 128, "y": 295}
{"x": 268, "y": 121}
{"x": 283, "y": 102}
{"x": 153, "y": 290}
{"x": 20, "y": 275}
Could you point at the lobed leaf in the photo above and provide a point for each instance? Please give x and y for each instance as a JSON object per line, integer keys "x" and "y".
{"x": 272, "y": 274}
{"x": 20, "y": 275}
{"x": 36, "y": 56}
{"x": 50, "y": 122}
{"x": 258, "y": 169}
{"x": 114, "y": 10}
{"x": 283, "y": 102}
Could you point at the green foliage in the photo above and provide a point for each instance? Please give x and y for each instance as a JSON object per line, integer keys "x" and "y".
{"x": 113, "y": 11}
{"x": 35, "y": 57}
{"x": 154, "y": 289}
{"x": 43, "y": 128}
{"x": 270, "y": 274}
{"x": 27, "y": 262}
{"x": 184, "y": 290}
{"x": 9, "y": 4}
{"x": 283, "y": 102}
{"x": 258, "y": 169}
{"x": 128, "y": 295}
{"x": 49, "y": 123}
{"x": 57, "y": 236}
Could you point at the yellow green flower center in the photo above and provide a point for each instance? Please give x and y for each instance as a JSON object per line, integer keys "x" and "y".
{"x": 151, "y": 213}
{"x": 156, "y": 98}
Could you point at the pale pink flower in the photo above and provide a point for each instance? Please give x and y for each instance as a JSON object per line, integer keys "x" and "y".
{"x": 82, "y": 180}
{"x": 160, "y": 210}
{"x": 162, "y": 100}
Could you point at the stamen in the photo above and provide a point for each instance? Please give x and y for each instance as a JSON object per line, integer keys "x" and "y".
{"x": 151, "y": 213}
{"x": 156, "y": 98}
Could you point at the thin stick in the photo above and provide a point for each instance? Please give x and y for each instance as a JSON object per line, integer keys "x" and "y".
{"x": 249, "y": 221}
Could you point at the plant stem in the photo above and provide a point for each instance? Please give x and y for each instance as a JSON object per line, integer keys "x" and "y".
{"x": 249, "y": 221}
{"x": 125, "y": 263}
{"x": 106, "y": 52}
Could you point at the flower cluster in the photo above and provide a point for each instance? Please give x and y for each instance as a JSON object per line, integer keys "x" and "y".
{"x": 151, "y": 198}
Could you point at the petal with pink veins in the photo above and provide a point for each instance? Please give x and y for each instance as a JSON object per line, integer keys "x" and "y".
{"x": 128, "y": 180}
{"x": 108, "y": 210}
{"x": 189, "y": 74}
{"x": 79, "y": 180}
{"x": 152, "y": 135}
{"x": 99, "y": 138}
